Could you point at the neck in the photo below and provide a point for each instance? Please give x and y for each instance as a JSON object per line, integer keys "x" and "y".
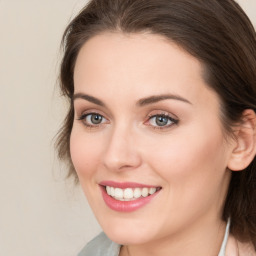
{"x": 199, "y": 239}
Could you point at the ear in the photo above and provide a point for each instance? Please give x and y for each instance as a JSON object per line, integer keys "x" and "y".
{"x": 244, "y": 150}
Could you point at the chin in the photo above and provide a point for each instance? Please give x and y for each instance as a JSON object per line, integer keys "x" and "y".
{"x": 125, "y": 234}
{"x": 128, "y": 238}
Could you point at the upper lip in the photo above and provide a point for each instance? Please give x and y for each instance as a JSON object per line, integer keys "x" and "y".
{"x": 124, "y": 185}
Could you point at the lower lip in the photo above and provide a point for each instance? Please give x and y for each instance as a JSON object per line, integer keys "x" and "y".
{"x": 125, "y": 206}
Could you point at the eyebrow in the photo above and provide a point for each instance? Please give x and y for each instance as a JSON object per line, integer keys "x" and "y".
{"x": 142, "y": 102}
{"x": 157, "y": 98}
{"x": 88, "y": 98}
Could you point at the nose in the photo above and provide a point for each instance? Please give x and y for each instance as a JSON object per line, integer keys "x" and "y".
{"x": 121, "y": 152}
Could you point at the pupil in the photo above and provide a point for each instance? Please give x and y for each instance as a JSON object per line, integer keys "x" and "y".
{"x": 161, "y": 120}
{"x": 96, "y": 119}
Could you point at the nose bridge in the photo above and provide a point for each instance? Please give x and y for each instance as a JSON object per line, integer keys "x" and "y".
{"x": 121, "y": 151}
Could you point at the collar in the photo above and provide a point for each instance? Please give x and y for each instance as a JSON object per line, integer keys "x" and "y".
{"x": 225, "y": 240}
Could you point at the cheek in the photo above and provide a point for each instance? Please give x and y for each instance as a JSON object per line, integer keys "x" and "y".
{"x": 192, "y": 170}
{"x": 190, "y": 163}
{"x": 85, "y": 154}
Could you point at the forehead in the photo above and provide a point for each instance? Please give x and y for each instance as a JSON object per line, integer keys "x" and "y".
{"x": 134, "y": 52}
{"x": 139, "y": 64}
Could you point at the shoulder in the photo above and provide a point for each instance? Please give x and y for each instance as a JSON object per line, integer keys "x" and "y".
{"x": 101, "y": 245}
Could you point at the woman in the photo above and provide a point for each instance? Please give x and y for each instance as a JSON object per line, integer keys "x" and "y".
{"x": 161, "y": 129}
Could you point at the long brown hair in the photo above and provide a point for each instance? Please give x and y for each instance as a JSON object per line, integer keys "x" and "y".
{"x": 219, "y": 34}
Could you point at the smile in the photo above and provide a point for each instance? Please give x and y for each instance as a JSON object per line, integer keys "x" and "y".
{"x": 127, "y": 197}
{"x": 130, "y": 194}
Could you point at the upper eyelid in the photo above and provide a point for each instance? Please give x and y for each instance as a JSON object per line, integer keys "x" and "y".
{"x": 163, "y": 115}
{"x": 105, "y": 111}
{"x": 84, "y": 115}
{"x": 81, "y": 112}
{"x": 80, "y": 109}
{"x": 173, "y": 119}
{"x": 159, "y": 112}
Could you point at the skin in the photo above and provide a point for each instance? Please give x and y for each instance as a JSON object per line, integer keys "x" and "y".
{"x": 188, "y": 159}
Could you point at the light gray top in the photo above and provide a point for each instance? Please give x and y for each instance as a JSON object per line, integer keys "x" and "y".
{"x": 101, "y": 245}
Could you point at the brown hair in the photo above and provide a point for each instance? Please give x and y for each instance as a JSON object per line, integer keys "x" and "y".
{"x": 219, "y": 34}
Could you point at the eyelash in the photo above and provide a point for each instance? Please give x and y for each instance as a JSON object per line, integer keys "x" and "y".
{"x": 150, "y": 117}
{"x": 162, "y": 115}
{"x": 85, "y": 115}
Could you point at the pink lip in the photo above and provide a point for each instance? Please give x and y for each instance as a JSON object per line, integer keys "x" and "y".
{"x": 125, "y": 206}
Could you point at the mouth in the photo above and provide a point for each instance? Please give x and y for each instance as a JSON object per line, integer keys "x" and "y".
{"x": 130, "y": 194}
{"x": 127, "y": 197}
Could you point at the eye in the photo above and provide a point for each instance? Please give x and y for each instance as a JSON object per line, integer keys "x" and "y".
{"x": 92, "y": 119}
{"x": 161, "y": 121}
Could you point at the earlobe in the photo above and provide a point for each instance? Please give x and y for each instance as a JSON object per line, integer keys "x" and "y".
{"x": 244, "y": 150}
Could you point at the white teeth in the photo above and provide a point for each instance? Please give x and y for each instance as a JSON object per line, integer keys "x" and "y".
{"x": 144, "y": 192}
{"x": 119, "y": 193}
{"x": 112, "y": 191}
{"x": 152, "y": 191}
{"x": 137, "y": 192}
{"x": 129, "y": 194}
{"x": 108, "y": 190}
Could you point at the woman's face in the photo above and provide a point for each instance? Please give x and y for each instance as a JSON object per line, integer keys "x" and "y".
{"x": 147, "y": 129}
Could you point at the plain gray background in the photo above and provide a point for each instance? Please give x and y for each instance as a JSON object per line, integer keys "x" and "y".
{"x": 41, "y": 214}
